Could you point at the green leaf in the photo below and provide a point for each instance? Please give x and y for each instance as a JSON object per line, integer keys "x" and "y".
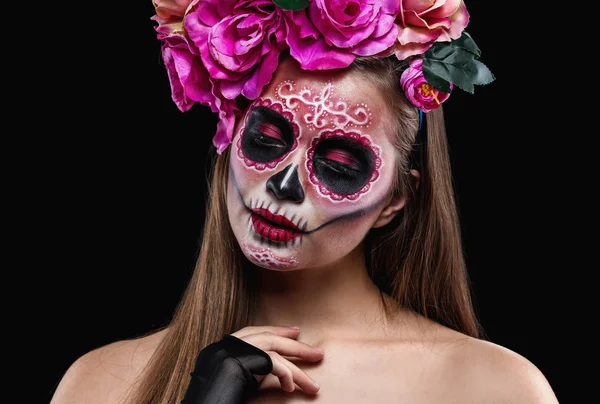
{"x": 449, "y": 53}
{"x": 435, "y": 81}
{"x": 439, "y": 50}
{"x": 460, "y": 78}
{"x": 448, "y": 72}
{"x": 294, "y": 5}
{"x": 455, "y": 62}
{"x": 467, "y": 43}
{"x": 480, "y": 73}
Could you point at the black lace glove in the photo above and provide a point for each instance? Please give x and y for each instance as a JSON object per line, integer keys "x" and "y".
{"x": 224, "y": 372}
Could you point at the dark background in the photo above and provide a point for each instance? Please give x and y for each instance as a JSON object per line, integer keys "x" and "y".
{"x": 118, "y": 197}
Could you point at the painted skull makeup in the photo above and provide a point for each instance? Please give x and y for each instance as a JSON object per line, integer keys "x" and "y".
{"x": 340, "y": 163}
{"x": 311, "y": 168}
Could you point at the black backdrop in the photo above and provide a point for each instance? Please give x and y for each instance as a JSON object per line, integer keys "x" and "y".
{"x": 119, "y": 196}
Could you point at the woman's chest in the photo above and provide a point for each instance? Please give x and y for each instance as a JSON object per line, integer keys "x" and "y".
{"x": 367, "y": 374}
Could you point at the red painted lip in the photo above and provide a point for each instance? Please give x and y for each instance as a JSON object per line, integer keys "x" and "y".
{"x": 274, "y": 227}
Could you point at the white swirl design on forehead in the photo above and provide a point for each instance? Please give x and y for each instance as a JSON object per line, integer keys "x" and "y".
{"x": 323, "y": 110}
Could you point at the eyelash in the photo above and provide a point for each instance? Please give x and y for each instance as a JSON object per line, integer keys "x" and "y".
{"x": 260, "y": 139}
{"x": 338, "y": 167}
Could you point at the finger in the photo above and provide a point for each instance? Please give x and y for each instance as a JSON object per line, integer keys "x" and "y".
{"x": 285, "y": 346}
{"x": 298, "y": 376}
{"x": 281, "y": 371}
{"x": 274, "y": 329}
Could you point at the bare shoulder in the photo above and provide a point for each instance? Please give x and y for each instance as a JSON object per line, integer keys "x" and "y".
{"x": 487, "y": 372}
{"x": 105, "y": 374}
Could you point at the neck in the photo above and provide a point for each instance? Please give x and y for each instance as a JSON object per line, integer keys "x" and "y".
{"x": 337, "y": 299}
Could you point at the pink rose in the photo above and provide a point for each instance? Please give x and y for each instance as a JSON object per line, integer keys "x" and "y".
{"x": 239, "y": 42}
{"x": 191, "y": 83}
{"x": 420, "y": 23}
{"x": 308, "y": 46}
{"x": 188, "y": 78}
{"x": 418, "y": 91}
{"x": 331, "y": 33}
{"x": 167, "y": 26}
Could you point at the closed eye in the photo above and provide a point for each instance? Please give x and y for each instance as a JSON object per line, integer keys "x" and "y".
{"x": 268, "y": 135}
{"x": 343, "y": 164}
{"x": 264, "y": 140}
{"x": 342, "y": 157}
{"x": 339, "y": 167}
{"x": 270, "y": 130}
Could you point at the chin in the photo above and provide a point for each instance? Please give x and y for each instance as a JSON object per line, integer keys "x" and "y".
{"x": 268, "y": 257}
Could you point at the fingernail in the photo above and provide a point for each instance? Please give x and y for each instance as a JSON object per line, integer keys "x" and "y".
{"x": 318, "y": 349}
{"x": 293, "y": 327}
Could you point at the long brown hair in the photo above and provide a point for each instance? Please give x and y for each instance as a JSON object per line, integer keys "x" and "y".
{"x": 417, "y": 259}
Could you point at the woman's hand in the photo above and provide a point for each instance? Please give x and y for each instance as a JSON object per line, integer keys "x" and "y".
{"x": 277, "y": 342}
{"x": 230, "y": 370}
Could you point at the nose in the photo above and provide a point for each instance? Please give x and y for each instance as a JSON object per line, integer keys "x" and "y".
{"x": 286, "y": 185}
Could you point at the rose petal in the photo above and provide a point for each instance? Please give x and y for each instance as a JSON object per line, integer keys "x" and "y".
{"x": 315, "y": 54}
{"x": 177, "y": 91}
{"x": 460, "y": 20}
{"x": 414, "y": 34}
{"x": 339, "y": 35}
{"x": 300, "y": 20}
{"x": 411, "y": 49}
{"x": 445, "y": 8}
{"x": 262, "y": 75}
{"x": 171, "y": 8}
{"x": 375, "y": 46}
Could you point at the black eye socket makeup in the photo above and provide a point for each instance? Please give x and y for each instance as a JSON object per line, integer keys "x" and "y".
{"x": 267, "y": 136}
{"x": 343, "y": 164}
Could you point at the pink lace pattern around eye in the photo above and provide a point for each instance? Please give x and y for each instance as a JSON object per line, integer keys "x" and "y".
{"x": 322, "y": 188}
{"x": 289, "y": 115}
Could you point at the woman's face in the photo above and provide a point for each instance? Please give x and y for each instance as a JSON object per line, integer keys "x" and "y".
{"x": 311, "y": 168}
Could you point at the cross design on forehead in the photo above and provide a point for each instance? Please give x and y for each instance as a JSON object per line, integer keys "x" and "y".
{"x": 323, "y": 110}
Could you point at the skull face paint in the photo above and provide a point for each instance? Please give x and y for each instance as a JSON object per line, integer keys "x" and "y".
{"x": 311, "y": 168}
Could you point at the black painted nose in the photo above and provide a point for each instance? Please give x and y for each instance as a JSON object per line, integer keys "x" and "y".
{"x": 286, "y": 185}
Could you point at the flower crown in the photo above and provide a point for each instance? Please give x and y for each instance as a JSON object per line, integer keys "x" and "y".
{"x": 216, "y": 51}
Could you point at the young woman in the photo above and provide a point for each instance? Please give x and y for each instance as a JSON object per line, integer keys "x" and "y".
{"x": 331, "y": 264}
